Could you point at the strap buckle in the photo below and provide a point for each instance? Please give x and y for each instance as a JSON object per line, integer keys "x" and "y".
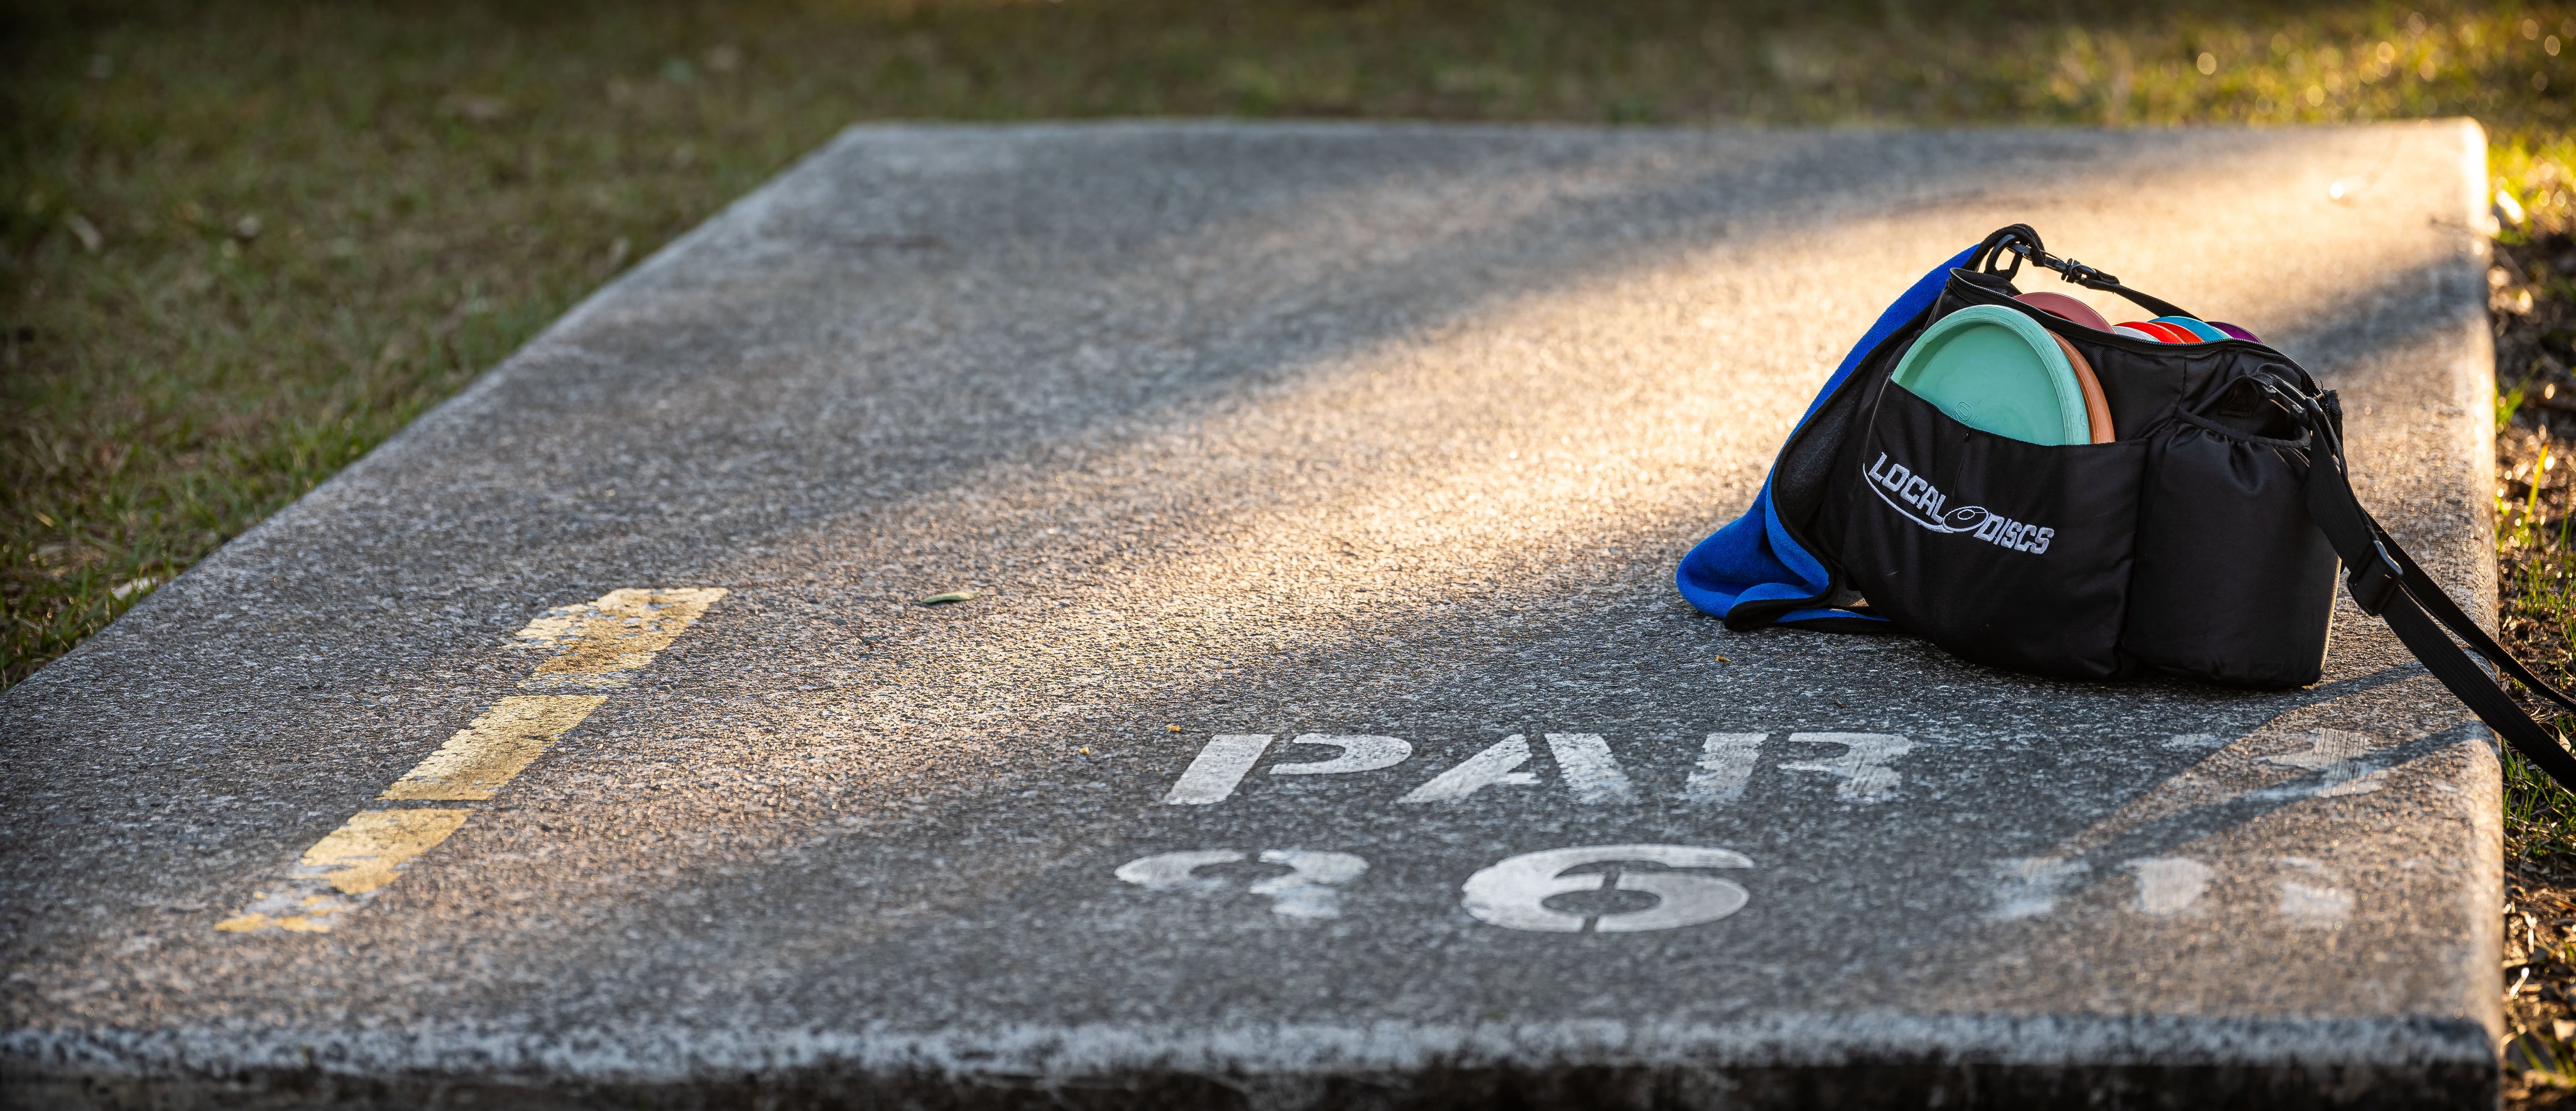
{"x": 2373, "y": 584}
{"x": 2066, "y": 268}
{"x": 2083, "y": 275}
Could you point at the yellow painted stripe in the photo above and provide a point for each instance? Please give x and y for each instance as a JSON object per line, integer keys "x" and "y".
{"x": 603, "y": 643}
{"x": 362, "y": 854}
{"x": 353, "y": 860}
{"x": 487, "y": 753}
{"x": 597, "y": 645}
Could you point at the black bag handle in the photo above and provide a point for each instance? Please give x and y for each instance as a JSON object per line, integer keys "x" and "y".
{"x": 2388, "y": 584}
{"x": 2021, "y": 241}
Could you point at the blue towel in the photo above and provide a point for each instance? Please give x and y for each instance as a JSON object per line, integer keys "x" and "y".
{"x": 1753, "y": 559}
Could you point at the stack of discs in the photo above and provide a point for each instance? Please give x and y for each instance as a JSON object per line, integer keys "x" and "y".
{"x": 2163, "y": 329}
{"x": 2184, "y": 329}
{"x": 2067, "y": 309}
{"x": 1996, "y": 370}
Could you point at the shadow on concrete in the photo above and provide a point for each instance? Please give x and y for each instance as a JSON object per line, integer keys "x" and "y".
{"x": 1124, "y": 424}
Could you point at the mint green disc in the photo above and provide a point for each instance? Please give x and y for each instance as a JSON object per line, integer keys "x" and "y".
{"x": 1991, "y": 368}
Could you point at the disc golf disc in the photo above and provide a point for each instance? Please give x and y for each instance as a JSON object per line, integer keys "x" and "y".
{"x": 2067, "y": 309}
{"x": 2097, "y": 406}
{"x": 2200, "y": 331}
{"x": 1993, "y": 369}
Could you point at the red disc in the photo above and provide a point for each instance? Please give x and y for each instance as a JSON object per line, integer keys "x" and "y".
{"x": 2162, "y": 331}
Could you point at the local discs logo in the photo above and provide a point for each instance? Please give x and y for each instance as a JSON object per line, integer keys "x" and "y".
{"x": 1924, "y": 504}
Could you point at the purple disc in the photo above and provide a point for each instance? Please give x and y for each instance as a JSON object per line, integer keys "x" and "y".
{"x": 2235, "y": 331}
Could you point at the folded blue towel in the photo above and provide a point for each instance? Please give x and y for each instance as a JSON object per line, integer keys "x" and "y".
{"x": 1753, "y": 559}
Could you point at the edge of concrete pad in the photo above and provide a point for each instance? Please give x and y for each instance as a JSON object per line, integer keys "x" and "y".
{"x": 1792, "y": 1061}
{"x": 2419, "y": 1060}
{"x": 491, "y": 378}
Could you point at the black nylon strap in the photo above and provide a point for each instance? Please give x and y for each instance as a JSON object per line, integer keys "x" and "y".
{"x": 2021, "y": 242}
{"x": 2389, "y": 584}
{"x": 2440, "y": 607}
{"x": 2362, "y": 542}
{"x": 2481, "y": 694}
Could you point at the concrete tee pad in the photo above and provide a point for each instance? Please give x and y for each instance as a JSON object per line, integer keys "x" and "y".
{"x": 1326, "y": 730}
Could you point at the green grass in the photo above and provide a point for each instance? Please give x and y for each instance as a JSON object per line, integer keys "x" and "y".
{"x": 2537, "y": 588}
{"x": 240, "y": 244}
{"x": 2536, "y": 515}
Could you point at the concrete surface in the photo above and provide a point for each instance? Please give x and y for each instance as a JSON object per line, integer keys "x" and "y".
{"x": 1242, "y": 431}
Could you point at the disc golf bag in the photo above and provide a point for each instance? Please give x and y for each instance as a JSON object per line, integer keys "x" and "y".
{"x": 2201, "y": 541}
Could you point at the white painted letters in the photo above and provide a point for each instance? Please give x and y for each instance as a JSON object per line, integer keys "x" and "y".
{"x": 2314, "y": 903}
{"x": 1585, "y": 761}
{"x": 1477, "y": 772}
{"x": 1171, "y": 871}
{"x": 1308, "y": 892}
{"x": 1513, "y": 894}
{"x": 1359, "y": 754}
{"x": 1725, "y": 765}
{"x": 2169, "y": 885}
{"x": 2346, "y": 762}
{"x": 1592, "y": 773}
{"x": 1863, "y": 766}
{"x": 1582, "y": 758}
{"x": 2028, "y": 887}
{"x": 1219, "y": 767}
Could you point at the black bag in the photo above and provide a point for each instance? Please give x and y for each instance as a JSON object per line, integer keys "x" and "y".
{"x": 2202, "y": 541}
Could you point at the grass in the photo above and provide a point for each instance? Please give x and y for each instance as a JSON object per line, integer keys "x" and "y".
{"x": 2534, "y": 306}
{"x": 241, "y": 244}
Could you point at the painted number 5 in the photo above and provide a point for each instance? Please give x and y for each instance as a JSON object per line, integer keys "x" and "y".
{"x": 1514, "y": 893}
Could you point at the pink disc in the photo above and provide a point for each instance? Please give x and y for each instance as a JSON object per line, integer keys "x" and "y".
{"x": 2067, "y": 309}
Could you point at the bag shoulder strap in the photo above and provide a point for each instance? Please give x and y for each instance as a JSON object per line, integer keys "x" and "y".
{"x": 2388, "y": 584}
{"x": 2021, "y": 243}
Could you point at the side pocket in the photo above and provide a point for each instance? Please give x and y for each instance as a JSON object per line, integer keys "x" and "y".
{"x": 2233, "y": 583}
{"x": 2006, "y": 553}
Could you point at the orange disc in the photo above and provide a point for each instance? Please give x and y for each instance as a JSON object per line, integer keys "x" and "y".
{"x": 2097, "y": 407}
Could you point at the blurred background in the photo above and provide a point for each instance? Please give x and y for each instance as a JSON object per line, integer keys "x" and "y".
{"x": 240, "y": 244}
